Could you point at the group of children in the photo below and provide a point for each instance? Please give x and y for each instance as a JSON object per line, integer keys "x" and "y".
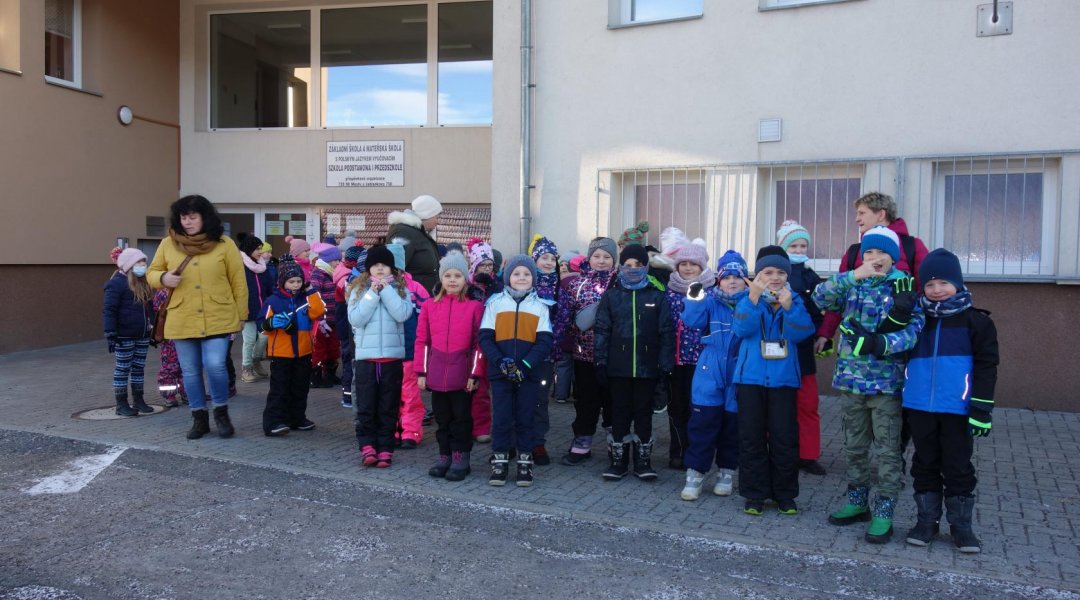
{"x": 735, "y": 352}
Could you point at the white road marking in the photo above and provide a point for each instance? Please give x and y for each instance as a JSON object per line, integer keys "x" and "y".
{"x": 79, "y": 474}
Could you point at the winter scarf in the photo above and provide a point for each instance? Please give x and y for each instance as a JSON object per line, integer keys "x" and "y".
{"x": 255, "y": 266}
{"x": 324, "y": 266}
{"x": 192, "y": 245}
{"x": 518, "y": 295}
{"x": 677, "y": 284}
{"x": 946, "y": 308}
{"x": 547, "y": 284}
{"x": 726, "y": 298}
{"x": 633, "y": 278}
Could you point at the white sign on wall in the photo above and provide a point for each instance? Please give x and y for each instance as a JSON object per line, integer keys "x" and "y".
{"x": 365, "y": 164}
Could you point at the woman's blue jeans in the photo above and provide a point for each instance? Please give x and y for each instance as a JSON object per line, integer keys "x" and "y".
{"x": 204, "y": 355}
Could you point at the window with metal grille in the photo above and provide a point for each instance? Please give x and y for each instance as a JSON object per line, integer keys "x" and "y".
{"x": 996, "y": 215}
{"x": 62, "y": 41}
{"x": 670, "y": 205}
{"x": 821, "y": 199}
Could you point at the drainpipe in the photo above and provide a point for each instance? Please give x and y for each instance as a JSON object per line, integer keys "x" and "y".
{"x": 526, "y": 123}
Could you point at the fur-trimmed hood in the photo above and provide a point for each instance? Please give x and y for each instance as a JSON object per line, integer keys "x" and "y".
{"x": 405, "y": 217}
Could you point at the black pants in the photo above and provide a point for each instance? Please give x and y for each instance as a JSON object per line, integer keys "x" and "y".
{"x": 943, "y": 448}
{"x": 377, "y": 402}
{"x": 286, "y": 403}
{"x": 453, "y": 413}
{"x": 590, "y": 400}
{"x": 631, "y": 402}
{"x": 678, "y": 409}
{"x": 768, "y": 443}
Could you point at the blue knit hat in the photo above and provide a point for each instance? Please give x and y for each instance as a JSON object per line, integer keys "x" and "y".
{"x": 944, "y": 265}
{"x": 541, "y": 246}
{"x": 880, "y": 237}
{"x": 772, "y": 256}
{"x": 519, "y": 260}
{"x": 356, "y": 255}
{"x": 731, "y": 263}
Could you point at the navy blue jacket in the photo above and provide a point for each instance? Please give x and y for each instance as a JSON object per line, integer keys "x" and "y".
{"x": 123, "y": 316}
{"x": 954, "y": 360}
{"x": 260, "y": 287}
{"x": 804, "y": 281}
{"x": 635, "y": 336}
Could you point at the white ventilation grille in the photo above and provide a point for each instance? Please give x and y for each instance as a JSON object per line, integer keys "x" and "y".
{"x": 769, "y": 130}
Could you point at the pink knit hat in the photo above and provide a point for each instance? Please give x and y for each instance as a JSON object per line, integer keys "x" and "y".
{"x": 692, "y": 252}
{"x": 298, "y": 247}
{"x": 128, "y": 258}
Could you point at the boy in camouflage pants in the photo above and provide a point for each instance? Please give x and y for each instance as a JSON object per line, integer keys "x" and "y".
{"x": 870, "y": 373}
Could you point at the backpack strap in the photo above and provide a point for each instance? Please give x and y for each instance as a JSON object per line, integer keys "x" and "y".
{"x": 907, "y": 243}
{"x": 852, "y": 256}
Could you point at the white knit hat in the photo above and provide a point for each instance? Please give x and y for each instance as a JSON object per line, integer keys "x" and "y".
{"x": 426, "y": 207}
{"x": 128, "y": 258}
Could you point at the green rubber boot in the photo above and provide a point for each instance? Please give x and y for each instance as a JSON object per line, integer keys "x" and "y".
{"x": 857, "y": 507}
{"x": 880, "y": 530}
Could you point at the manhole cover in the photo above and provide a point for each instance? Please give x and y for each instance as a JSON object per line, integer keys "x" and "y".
{"x": 108, "y": 413}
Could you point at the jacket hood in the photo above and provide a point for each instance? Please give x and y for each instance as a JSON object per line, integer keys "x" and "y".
{"x": 662, "y": 261}
{"x": 405, "y": 217}
{"x": 899, "y": 227}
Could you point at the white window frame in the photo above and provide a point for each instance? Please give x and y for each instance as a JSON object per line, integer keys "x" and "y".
{"x": 809, "y": 172}
{"x": 764, "y": 5}
{"x": 315, "y": 97}
{"x": 620, "y": 15}
{"x": 76, "y": 50}
{"x": 1049, "y": 167}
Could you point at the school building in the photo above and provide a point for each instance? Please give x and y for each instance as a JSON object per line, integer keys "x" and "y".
{"x": 571, "y": 118}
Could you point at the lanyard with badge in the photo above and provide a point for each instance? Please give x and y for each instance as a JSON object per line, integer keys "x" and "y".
{"x": 773, "y": 349}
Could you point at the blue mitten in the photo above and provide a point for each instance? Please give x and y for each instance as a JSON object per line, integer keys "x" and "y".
{"x": 280, "y": 321}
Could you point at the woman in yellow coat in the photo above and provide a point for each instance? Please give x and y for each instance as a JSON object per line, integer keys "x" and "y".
{"x": 209, "y": 302}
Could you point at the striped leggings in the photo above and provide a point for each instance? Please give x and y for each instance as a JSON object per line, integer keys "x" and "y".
{"x": 130, "y": 362}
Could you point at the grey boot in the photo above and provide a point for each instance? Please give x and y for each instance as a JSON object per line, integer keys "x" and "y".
{"x": 929, "y": 505}
{"x": 960, "y": 510}
{"x": 459, "y": 466}
{"x": 137, "y": 399}
{"x": 122, "y": 407}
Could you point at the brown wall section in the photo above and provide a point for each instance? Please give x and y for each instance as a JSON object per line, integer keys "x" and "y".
{"x": 64, "y": 306}
{"x": 70, "y": 171}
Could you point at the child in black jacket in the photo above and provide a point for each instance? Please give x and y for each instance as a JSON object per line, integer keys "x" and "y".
{"x": 635, "y": 347}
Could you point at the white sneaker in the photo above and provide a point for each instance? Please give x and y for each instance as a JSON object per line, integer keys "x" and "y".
{"x": 694, "y": 483}
{"x": 724, "y": 484}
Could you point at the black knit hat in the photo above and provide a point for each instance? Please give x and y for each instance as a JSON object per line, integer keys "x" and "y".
{"x": 634, "y": 251}
{"x": 772, "y": 256}
{"x": 287, "y": 269}
{"x": 379, "y": 255}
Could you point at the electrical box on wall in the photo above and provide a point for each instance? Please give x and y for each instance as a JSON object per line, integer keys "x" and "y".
{"x": 994, "y": 19}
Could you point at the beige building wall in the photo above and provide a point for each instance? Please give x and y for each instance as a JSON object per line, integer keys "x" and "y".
{"x": 74, "y": 178}
{"x": 288, "y": 166}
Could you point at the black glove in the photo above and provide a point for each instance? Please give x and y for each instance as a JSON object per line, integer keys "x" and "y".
{"x": 601, "y": 376}
{"x": 980, "y": 421}
{"x": 904, "y": 297}
{"x": 863, "y": 342}
{"x": 695, "y": 291}
{"x": 111, "y": 339}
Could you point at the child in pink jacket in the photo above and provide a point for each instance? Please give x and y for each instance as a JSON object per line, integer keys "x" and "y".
{"x": 447, "y": 362}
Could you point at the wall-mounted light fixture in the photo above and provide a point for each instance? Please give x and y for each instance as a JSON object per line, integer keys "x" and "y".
{"x": 124, "y": 115}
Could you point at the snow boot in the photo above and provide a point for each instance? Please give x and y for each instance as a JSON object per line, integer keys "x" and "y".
{"x": 137, "y": 401}
{"x": 442, "y": 466}
{"x": 221, "y": 421}
{"x": 459, "y": 466}
{"x": 643, "y": 461}
{"x": 694, "y": 482}
{"x": 524, "y": 469}
{"x": 122, "y": 407}
{"x": 959, "y": 511}
{"x": 200, "y": 424}
{"x": 880, "y": 530}
{"x": 620, "y": 461}
{"x": 580, "y": 450}
{"x": 500, "y": 467}
{"x": 928, "y": 525}
{"x": 857, "y": 507}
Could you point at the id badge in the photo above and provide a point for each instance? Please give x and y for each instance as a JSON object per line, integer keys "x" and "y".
{"x": 774, "y": 349}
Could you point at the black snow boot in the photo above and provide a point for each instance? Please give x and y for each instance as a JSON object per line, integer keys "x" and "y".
{"x": 960, "y": 510}
{"x": 330, "y": 378}
{"x": 643, "y": 461}
{"x": 122, "y": 407}
{"x": 929, "y": 505}
{"x": 620, "y": 461}
{"x": 137, "y": 399}
{"x": 200, "y": 424}
{"x": 525, "y": 469}
{"x": 500, "y": 467}
{"x": 221, "y": 421}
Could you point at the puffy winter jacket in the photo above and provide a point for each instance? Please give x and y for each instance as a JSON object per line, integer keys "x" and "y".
{"x": 804, "y": 281}
{"x": 634, "y": 334}
{"x": 518, "y": 330}
{"x": 378, "y": 319}
{"x": 212, "y": 298}
{"x": 298, "y": 342}
{"x": 868, "y": 301}
{"x": 421, "y": 252}
{"x": 419, "y": 297}
{"x": 954, "y": 361}
{"x": 757, "y": 322}
{"x": 688, "y": 344}
{"x": 714, "y": 376}
{"x": 123, "y": 315}
{"x": 582, "y": 292}
{"x": 260, "y": 287}
{"x": 448, "y": 343}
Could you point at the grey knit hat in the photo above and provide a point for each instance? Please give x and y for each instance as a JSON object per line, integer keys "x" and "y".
{"x": 454, "y": 259}
{"x": 519, "y": 260}
{"x": 605, "y": 244}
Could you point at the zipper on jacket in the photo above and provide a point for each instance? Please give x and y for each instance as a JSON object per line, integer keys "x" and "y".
{"x": 933, "y": 365}
{"x": 633, "y": 319}
{"x": 450, "y": 314}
